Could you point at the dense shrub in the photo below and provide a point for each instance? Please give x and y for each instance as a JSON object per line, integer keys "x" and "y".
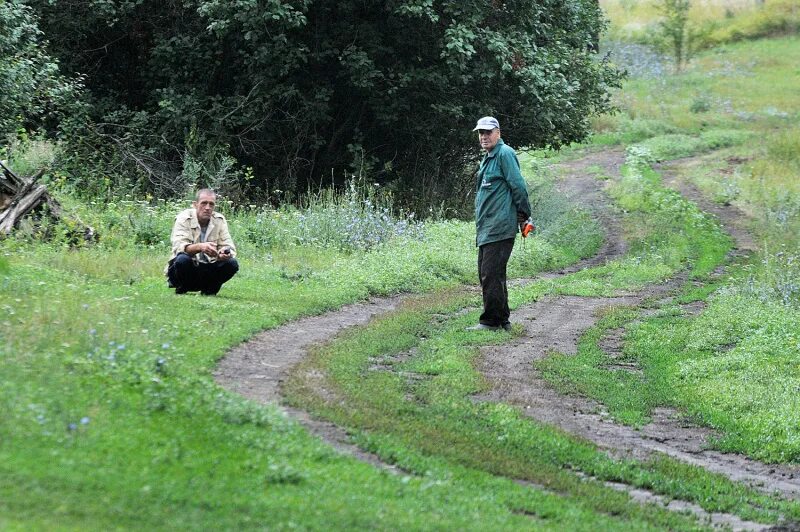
{"x": 32, "y": 94}
{"x": 300, "y": 91}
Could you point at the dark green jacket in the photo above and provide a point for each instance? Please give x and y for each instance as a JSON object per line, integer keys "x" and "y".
{"x": 500, "y": 193}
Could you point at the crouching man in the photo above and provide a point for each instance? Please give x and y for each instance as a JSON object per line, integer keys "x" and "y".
{"x": 203, "y": 254}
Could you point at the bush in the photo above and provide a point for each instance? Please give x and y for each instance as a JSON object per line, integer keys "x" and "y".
{"x": 356, "y": 220}
{"x": 390, "y": 90}
{"x": 675, "y": 28}
{"x": 32, "y": 93}
{"x": 701, "y": 104}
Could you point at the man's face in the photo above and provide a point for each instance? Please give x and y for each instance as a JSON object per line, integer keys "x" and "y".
{"x": 488, "y": 138}
{"x": 205, "y": 207}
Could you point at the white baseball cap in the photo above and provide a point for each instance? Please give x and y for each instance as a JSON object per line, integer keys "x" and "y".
{"x": 488, "y": 123}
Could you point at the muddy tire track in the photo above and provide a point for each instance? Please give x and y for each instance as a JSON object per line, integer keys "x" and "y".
{"x": 256, "y": 368}
{"x": 555, "y": 324}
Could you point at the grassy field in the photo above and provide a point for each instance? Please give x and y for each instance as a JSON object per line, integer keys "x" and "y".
{"x": 710, "y": 22}
{"x": 112, "y": 420}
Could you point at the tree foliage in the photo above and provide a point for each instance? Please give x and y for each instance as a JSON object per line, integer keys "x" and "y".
{"x": 32, "y": 93}
{"x": 675, "y": 28}
{"x": 304, "y": 92}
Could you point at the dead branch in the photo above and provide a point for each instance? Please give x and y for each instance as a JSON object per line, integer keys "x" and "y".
{"x": 21, "y": 196}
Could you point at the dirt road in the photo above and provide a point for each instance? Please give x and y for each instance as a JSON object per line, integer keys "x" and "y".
{"x": 257, "y": 368}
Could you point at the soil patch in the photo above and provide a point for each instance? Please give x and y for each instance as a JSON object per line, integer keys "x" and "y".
{"x": 256, "y": 368}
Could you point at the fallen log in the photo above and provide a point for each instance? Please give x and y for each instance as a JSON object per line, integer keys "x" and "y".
{"x": 21, "y": 196}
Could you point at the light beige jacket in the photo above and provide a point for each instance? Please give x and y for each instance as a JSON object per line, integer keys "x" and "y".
{"x": 187, "y": 231}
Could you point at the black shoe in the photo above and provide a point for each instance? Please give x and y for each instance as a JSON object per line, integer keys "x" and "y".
{"x": 484, "y": 327}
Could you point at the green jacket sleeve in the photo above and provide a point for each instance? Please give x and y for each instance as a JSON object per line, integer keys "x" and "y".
{"x": 519, "y": 191}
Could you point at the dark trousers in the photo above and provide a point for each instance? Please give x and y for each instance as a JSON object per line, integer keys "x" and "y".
{"x": 187, "y": 276}
{"x": 492, "y": 261}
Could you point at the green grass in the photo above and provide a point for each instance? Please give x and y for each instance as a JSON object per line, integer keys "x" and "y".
{"x": 112, "y": 419}
{"x": 424, "y": 402}
{"x": 745, "y": 86}
{"x": 741, "y": 374}
{"x": 732, "y": 368}
{"x": 441, "y": 429}
{"x": 676, "y": 145}
{"x": 713, "y": 22}
{"x": 421, "y": 413}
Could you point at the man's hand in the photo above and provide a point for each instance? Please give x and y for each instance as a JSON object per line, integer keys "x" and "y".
{"x": 209, "y": 248}
{"x": 521, "y": 219}
{"x": 224, "y": 253}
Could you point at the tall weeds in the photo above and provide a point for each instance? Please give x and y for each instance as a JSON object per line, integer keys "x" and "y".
{"x": 360, "y": 218}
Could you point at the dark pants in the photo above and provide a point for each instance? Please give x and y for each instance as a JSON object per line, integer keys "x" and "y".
{"x": 492, "y": 261}
{"x": 187, "y": 276}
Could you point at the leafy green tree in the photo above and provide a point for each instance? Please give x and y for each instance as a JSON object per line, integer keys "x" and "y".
{"x": 32, "y": 93}
{"x": 308, "y": 92}
{"x": 675, "y": 28}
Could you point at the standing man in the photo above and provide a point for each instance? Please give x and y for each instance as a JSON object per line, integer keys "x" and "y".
{"x": 501, "y": 204}
{"x": 202, "y": 248}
